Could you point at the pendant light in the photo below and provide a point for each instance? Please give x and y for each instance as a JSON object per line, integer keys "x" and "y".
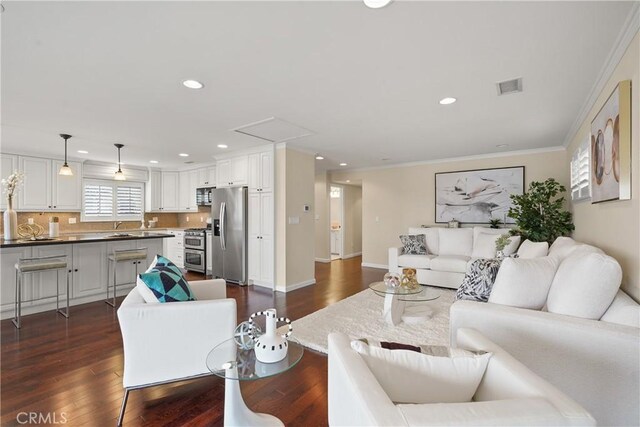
{"x": 119, "y": 175}
{"x": 65, "y": 169}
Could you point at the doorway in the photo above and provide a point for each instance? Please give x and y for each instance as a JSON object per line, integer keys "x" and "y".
{"x": 336, "y": 221}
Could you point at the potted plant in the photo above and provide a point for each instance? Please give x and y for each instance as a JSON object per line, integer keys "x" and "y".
{"x": 539, "y": 214}
{"x": 501, "y": 243}
{"x": 495, "y": 223}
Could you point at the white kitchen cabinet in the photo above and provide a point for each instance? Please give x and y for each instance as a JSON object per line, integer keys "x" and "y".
{"x": 188, "y": 186}
{"x": 9, "y": 257}
{"x": 261, "y": 238}
{"x": 125, "y": 270}
{"x": 44, "y": 283}
{"x": 170, "y": 191}
{"x": 207, "y": 177}
{"x": 8, "y": 165}
{"x": 90, "y": 273}
{"x": 66, "y": 191}
{"x": 174, "y": 247}
{"x": 232, "y": 172}
{"x": 154, "y": 247}
{"x": 260, "y": 171}
{"x": 35, "y": 193}
{"x": 153, "y": 192}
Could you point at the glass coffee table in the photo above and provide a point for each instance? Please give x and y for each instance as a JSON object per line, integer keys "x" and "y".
{"x": 229, "y": 361}
{"x": 395, "y": 303}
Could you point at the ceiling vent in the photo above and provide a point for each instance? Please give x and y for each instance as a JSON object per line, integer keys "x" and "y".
{"x": 273, "y": 129}
{"x": 509, "y": 86}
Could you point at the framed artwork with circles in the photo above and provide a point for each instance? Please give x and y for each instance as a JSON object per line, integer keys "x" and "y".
{"x": 611, "y": 147}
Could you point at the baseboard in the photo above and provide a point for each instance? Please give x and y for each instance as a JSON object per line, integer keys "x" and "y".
{"x": 262, "y": 284}
{"x": 373, "y": 265}
{"x": 353, "y": 255}
{"x": 323, "y": 260}
{"x": 295, "y": 286}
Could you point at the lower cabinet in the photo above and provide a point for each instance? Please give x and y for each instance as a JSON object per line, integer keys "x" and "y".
{"x": 89, "y": 269}
{"x": 260, "y": 239}
{"x": 174, "y": 247}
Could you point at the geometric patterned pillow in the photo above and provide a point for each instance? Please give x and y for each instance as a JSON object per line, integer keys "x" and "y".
{"x": 413, "y": 244}
{"x": 166, "y": 282}
{"x": 478, "y": 281}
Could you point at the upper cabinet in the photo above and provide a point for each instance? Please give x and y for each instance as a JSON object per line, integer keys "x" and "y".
{"x": 170, "y": 191}
{"x": 207, "y": 177}
{"x": 261, "y": 172}
{"x": 188, "y": 185}
{"x": 153, "y": 190}
{"x": 232, "y": 172}
{"x": 44, "y": 190}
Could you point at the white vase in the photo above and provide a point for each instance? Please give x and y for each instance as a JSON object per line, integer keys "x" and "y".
{"x": 271, "y": 347}
{"x": 10, "y": 221}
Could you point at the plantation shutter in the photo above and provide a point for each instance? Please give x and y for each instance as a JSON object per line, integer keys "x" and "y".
{"x": 580, "y": 179}
{"x": 110, "y": 201}
{"x": 98, "y": 201}
{"x": 129, "y": 201}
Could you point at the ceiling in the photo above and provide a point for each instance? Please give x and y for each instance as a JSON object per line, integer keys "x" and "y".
{"x": 365, "y": 82}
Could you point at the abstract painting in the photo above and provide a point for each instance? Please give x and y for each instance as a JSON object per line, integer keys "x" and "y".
{"x": 611, "y": 147}
{"x": 477, "y": 196}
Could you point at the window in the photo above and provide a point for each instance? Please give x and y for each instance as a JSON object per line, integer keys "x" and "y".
{"x": 111, "y": 201}
{"x": 580, "y": 180}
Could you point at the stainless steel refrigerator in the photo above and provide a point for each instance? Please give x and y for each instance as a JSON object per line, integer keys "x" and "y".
{"x": 229, "y": 237}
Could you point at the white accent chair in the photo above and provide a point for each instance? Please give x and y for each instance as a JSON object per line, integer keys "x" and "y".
{"x": 168, "y": 342}
{"x": 509, "y": 394}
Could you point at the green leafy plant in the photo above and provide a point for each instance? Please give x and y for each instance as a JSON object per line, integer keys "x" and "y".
{"x": 495, "y": 223}
{"x": 502, "y": 242}
{"x": 539, "y": 213}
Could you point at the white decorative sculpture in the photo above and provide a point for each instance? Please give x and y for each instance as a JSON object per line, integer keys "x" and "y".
{"x": 270, "y": 347}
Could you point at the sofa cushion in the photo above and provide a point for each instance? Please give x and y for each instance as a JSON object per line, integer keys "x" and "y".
{"x": 413, "y": 244}
{"x": 623, "y": 311}
{"x": 524, "y": 283}
{"x": 433, "y": 379}
{"x": 585, "y": 285}
{"x": 415, "y": 261}
{"x": 450, "y": 263}
{"x": 484, "y": 245}
{"x": 455, "y": 241}
{"x": 431, "y": 237}
{"x": 530, "y": 249}
{"x": 562, "y": 247}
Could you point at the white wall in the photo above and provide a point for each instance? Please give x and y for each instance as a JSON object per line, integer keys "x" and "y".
{"x": 352, "y": 229}
{"x": 321, "y": 211}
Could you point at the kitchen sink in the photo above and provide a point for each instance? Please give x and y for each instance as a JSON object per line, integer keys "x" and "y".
{"x": 120, "y": 235}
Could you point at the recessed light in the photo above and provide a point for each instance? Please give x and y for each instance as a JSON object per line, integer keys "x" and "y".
{"x": 223, "y": 146}
{"x": 319, "y": 157}
{"x": 153, "y": 161}
{"x": 193, "y": 84}
{"x": 502, "y": 145}
{"x": 376, "y": 4}
{"x": 83, "y": 152}
{"x": 343, "y": 164}
{"x": 447, "y": 101}
{"x": 347, "y": 181}
{"x": 183, "y": 155}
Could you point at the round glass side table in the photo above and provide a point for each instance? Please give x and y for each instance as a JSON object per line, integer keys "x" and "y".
{"x": 229, "y": 361}
{"x": 395, "y": 308}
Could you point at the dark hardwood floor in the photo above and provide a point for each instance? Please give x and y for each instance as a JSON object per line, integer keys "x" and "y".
{"x": 71, "y": 368}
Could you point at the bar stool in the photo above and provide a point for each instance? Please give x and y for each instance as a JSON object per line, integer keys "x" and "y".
{"x": 134, "y": 255}
{"x": 37, "y": 265}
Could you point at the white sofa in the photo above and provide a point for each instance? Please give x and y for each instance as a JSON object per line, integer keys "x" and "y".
{"x": 449, "y": 252}
{"x": 508, "y": 394}
{"x": 596, "y": 362}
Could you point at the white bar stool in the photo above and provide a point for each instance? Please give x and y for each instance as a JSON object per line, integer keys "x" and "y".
{"x": 124, "y": 255}
{"x": 37, "y": 265}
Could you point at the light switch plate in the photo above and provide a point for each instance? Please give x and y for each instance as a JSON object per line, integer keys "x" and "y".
{"x": 72, "y": 220}
{"x": 293, "y": 220}
{"x": 155, "y": 218}
{"x": 30, "y": 221}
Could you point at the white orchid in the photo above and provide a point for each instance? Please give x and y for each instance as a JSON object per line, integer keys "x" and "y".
{"x": 12, "y": 182}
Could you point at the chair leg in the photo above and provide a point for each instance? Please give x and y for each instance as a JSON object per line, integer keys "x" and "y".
{"x": 124, "y": 406}
{"x": 66, "y": 312}
{"x": 112, "y": 303}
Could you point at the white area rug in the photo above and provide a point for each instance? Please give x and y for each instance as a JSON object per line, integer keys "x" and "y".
{"x": 360, "y": 316}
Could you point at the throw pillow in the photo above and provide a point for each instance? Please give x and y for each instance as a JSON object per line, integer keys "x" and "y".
{"x": 433, "y": 379}
{"x": 524, "y": 283}
{"x": 478, "y": 281}
{"x": 455, "y": 241}
{"x": 484, "y": 245}
{"x": 413, "y": 244}
{"x": 562, "y": 247}
{"x": 165, "y": 281}
{"x": 585, "y": 285}
{"x": 530, "y": 249}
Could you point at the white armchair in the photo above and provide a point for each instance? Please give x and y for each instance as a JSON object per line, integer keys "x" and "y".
{"x": 509, "y": 394}
{"x": 169, "y": 342}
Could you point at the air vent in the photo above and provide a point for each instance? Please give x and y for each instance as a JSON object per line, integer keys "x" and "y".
{"x": 509, "y": 86}
{"x": 273, "y": 129}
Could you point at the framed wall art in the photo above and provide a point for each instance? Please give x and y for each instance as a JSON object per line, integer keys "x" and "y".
{"x": 477, "y": 196}
{"x": 611, "y": 147}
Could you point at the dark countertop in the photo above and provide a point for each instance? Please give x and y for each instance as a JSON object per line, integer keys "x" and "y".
{"x": 85, "y": 238}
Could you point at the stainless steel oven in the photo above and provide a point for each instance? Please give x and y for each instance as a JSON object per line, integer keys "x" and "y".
{"x": 195, "y": 250}
{"x": 194, "y": 260}
{"x": 195, "y": 239}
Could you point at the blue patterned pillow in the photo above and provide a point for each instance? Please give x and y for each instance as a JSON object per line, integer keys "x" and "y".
{"x": 166, "y": 282}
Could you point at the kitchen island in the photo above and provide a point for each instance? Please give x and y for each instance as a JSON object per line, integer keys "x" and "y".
{"x": 89, "y": 272}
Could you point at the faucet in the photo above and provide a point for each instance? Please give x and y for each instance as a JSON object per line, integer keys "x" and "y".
{"x": 117, "y": 224}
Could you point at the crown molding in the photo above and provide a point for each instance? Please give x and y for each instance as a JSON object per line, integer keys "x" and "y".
{"x": 626, "y": 35}
{"x": 457, "y": 159}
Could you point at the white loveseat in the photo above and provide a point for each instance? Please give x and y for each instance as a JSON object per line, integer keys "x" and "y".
{"x": 595, "y": 361}
{"x": 449, "y": 252}
{"x": 508, "y": 394}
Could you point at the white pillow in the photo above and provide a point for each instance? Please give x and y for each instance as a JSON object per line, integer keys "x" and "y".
{"x": 585, "y": 285}
{"x": 484, "y": 245}
{"x": 433, "y": 379}
{"x": 562, "y": 247}
{"x": 524, "y": 283}
{"x": 143, "y": 289}
{"x": 530, "y": 249}
{"x": 455, "y": 241}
